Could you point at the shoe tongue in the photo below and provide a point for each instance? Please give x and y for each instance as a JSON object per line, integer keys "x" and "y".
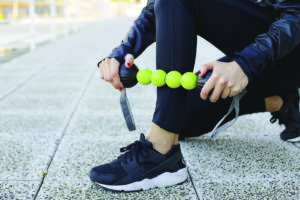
{"x": 149, "y": 145}
{"x": 145, "y": 142}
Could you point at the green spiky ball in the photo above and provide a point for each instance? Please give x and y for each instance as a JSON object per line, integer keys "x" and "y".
{"x": 144, "y": 76}
{"x": 158, "y": 78}
{"x": 173, "y": 79}
{"x": 189, "y": 80}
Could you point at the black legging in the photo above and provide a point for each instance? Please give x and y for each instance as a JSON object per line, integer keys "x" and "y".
{"x": 228, "y": 25}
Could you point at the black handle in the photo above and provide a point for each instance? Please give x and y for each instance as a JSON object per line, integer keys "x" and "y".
{"x": 128, "y": 75}
{"x": 202, "y": 80}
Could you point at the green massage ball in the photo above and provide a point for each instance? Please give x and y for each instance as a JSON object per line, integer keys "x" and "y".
{"x": 144, "y": 76}
{"x": 189, "y": 80}
{"x": 173, "y": 79}
{"x": 158, "y": 78}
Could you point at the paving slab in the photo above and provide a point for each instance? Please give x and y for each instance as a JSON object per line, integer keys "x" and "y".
{"x": 89, "y": 191}
{"x": 100, "y": 111}
{"x": 19, "y": 70}
{"x": 21, "y": 125}
{"x": 244, "y": 162}
{"x": 68, "y": 176}
{"x": 61, "y": 52}
{"x": 25, "y": 158}
{"x": 95, "y": 135}
{"x": 247, "y": 161}
{"x": 251, "y": 189}
{"x": 43, "y": 105}
{"x": 36, "y": 104}
{"x": 31, "y": 136}
{"x": 18, "y": 189}
{"x": 33, "y": 116}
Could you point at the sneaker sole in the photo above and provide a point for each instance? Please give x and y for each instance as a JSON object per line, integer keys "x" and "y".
{"x": 297, "y": 139}
{"x": 162, "y": 180}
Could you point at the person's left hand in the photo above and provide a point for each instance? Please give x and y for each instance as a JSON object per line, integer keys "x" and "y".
{"x": 227, "y": 80}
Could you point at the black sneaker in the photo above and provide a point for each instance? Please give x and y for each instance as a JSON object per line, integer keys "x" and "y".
{"x": 141, "y": 168}
{"x": 289, "y": 116}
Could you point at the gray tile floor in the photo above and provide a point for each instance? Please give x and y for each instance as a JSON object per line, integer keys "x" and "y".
{"x": 57, "y": 120}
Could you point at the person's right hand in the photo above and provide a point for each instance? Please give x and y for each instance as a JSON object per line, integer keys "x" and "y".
{"x": 109, "y": 70}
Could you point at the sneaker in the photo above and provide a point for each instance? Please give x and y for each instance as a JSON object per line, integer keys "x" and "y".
{"x": 289, "y": 116}
{"x": 141, "y": 167}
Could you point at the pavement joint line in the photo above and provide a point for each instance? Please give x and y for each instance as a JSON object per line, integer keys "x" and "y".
{"x": 245, "y": 180}
{"x": 19, "y": 180}
{"x": 22, "y": 84}
{"x": 193, "y": 185}
{"x": 30, "y": 77}
{"x": 66, "y": 127}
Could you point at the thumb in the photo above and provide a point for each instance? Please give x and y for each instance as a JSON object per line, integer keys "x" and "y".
{"x": 129, "y": 60}
{"x": 206, "y": 67}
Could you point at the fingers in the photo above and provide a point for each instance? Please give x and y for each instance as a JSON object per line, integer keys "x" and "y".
{"x": 106, "y": 70}
{"x": 109, "y": 70}
{"x": 101, "y": 72}
{"x": 116, "y": 82}
{"x": 234, "y": 91}
{"x": 220, "y": 87}
{"x": 225, "y": 93}
{"x": 218, "y": 90}
{"x": 227, "y": 80}
{"x": 129, "y": 59}
{"x": 204, "y": 68}
{"x": 208, "y": 86}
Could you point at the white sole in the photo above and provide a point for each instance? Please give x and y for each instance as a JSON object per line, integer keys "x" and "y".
{"x": 163, "y": 180}
{"x": 297, "y": 139}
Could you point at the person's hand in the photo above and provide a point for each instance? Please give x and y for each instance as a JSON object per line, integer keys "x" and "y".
{"x": 109, "y": 70}
{"x": 227, "y": 80}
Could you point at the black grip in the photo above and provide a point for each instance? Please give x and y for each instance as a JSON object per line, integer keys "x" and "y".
{"x": 128, "y": 75}
{"x": 202, "y": 80}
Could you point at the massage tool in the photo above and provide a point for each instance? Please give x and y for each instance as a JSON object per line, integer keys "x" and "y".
{"x": 173, "y": 79}
{"x": 131, "y": 76}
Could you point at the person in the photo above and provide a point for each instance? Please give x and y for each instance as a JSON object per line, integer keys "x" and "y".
{"x": 261, "y": 42}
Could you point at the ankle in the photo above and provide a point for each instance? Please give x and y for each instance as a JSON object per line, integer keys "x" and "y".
{"x": 273, "y": 103}
{"x": 161, "y": 139}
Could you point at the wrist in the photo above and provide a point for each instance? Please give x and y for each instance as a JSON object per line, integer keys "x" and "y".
{"x": 236, "y": 65}
{"x": 107, "y": 58}
{"x": 243, "y": 66}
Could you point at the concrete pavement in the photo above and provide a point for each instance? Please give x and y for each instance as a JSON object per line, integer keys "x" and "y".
{"x": 57, "y": 120}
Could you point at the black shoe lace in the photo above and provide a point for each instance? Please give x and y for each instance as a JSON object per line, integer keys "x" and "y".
{"x": 282, "y": 114}
{"x": 275, "y": 117}
{"x": 132, "y": 152}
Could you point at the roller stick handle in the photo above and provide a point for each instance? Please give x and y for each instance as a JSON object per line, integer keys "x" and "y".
{"x": 128, "y": 75}
{"x": 202, "y": 80}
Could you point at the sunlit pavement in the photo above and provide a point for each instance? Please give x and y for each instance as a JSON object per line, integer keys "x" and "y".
{"x": 58, "y": 119}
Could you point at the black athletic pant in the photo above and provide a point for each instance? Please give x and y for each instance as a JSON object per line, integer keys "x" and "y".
{"x": 230, "y": 25}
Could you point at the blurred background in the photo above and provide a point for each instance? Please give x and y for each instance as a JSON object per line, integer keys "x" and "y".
{"x": 26, "y": 24}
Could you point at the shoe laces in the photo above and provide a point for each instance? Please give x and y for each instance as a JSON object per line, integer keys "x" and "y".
{"x": 275, "y": 117}
{"x": 289, "y": 112}
{"x": 132, "y": 151}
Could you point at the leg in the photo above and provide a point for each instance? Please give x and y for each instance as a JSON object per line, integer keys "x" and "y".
{"x": 142, "y": 167}
{"x": 232, "y": 25}
{"x": 217, "y": 22}
{"x": 213, "y": 17}
{"x": 201, "y": 116}
{"x": 176, "y": 41}
{"x": 273, "y": 103}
